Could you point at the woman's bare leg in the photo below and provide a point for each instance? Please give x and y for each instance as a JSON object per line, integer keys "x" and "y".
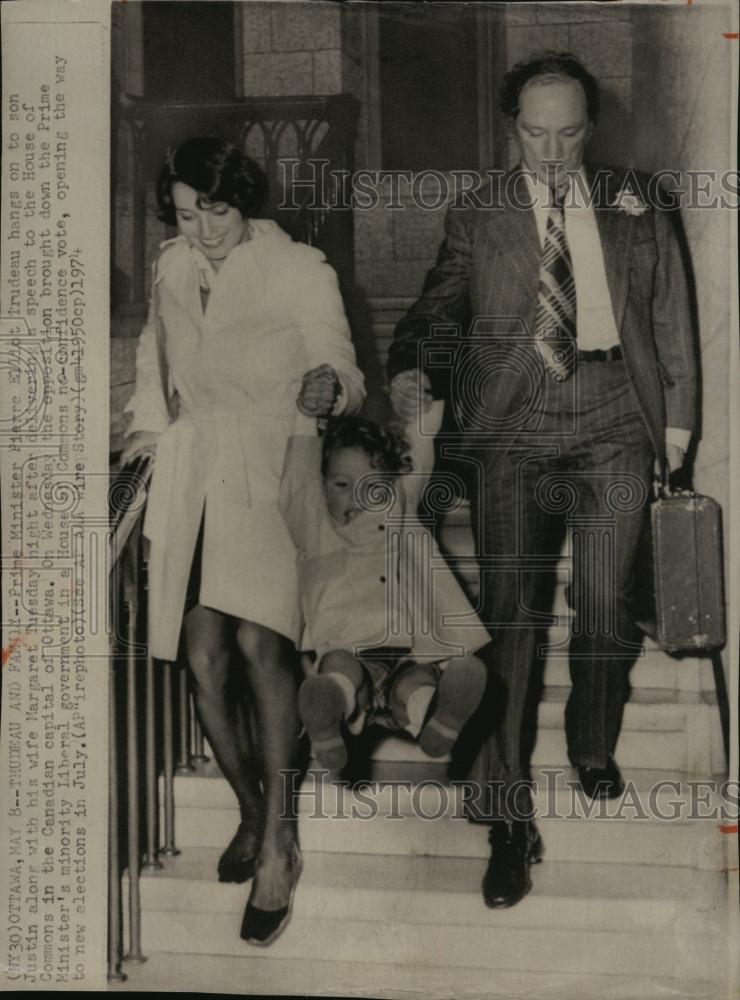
{"x": 271, "y": 666}
{"x": 223, "y": 712}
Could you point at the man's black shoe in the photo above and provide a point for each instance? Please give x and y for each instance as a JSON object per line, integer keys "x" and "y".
{"x": 514, "y": 846}
{"x": 602, "y": 782}
{"x": 536, "y": 847}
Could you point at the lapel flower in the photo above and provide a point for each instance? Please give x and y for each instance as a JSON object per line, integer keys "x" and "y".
{"x": 628, "y": 202}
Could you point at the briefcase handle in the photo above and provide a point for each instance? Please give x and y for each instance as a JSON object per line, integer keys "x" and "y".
{"x": 662, "y": 489}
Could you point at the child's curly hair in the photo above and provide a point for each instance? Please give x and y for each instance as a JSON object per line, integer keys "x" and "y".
{"x": 386, "y": 448}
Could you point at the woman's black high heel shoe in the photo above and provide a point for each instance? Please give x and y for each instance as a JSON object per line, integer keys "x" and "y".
{"x": 238, "y": 862}
{"x": 262, "y": 927}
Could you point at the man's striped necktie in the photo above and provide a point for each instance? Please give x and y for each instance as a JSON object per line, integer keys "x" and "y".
{"x": 555, "y": 319}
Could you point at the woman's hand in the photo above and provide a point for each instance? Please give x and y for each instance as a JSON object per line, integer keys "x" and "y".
{"x": 139, "y": 443}
{"x": 411, "y": 393}
{"x": 319, "y": 392}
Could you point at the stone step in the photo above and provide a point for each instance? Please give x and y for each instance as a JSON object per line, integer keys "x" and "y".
{"x": 672, "y": 729}
{"x": 670, "y": 734}
{"x": 653, "y": 669}
{"x": 436, "y": 945}
{"x": 423, "y": 890}
{"x": 382, "y": 332}
{"x": 167, "y": 972}
{"x": 434, "y": 772}
{"x": 423, "y": 788}
{"x": 360, "y": 827}
{"x": 665, "y": 749}
{"x": 648, "y": 708}
{"x": 389, "y": 304}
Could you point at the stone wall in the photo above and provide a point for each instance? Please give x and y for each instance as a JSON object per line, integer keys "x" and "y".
{"x": 394, "y": 250}
{"x": 322, "y": 48}
{"x": 288, "y": 49}
{"x": 683, "y": 117}
{"x": 291, "y": 49}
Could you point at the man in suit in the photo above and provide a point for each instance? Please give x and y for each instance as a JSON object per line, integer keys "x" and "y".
{"x": 570, "y": 370}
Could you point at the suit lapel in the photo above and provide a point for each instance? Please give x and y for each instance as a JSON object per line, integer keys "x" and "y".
{"x": 514, "y": 230}
{"x": 616, "y": 231}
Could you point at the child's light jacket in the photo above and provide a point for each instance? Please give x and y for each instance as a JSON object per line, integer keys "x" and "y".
{"x": 379, "y": 580}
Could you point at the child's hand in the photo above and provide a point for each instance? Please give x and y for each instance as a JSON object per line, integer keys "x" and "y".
{"x": 411, "y": 393}
{"x": 319, "y": 392}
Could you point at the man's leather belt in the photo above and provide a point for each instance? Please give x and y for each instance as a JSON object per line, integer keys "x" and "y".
{"x": 613, "y": 354}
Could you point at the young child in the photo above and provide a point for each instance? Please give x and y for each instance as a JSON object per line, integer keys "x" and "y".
{"x": 375, "y": 592}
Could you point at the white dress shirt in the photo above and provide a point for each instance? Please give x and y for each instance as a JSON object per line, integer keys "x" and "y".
{"x": 595, "y": 325}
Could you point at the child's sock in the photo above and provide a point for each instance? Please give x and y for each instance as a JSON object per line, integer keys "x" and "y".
{"x": 322, "y": 703}
{"x": 460, "y": 690}
{"x": 417, "y": 707}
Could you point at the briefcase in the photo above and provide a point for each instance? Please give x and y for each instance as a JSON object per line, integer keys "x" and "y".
{"x": 688, "y": 572}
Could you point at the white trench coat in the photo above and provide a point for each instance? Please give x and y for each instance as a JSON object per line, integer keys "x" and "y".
{"x": 274, "y": 311}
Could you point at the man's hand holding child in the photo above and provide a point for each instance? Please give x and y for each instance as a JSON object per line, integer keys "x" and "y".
{"x": 411, "y": 394}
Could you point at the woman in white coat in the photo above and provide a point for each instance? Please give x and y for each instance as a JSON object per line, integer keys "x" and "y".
{"x": 245, "y": 329}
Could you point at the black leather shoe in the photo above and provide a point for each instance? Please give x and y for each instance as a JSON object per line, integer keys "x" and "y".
{"x": 514, "y": 847}
{"x": 536, "y": 847}
{"x": 261, "y": 927}
{"x": 238, "y": 861}
{"x": 601, "y": 782}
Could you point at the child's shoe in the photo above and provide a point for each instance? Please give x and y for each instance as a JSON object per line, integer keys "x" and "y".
{"x": 460, "y": 690}
{"x": 321, "y": 704}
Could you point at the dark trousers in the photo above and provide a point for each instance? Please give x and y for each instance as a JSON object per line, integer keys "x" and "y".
{"x": 588, "y": 467}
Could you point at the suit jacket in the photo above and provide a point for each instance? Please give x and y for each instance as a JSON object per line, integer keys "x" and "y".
{"x": 485, "y": 282}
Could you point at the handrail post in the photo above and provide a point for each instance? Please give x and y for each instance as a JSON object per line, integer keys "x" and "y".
{"x": 131, "y": 604}
{"x": 184, "y": 763}
{"x": 115, "y": 934}
{"x": 168, "y": 735}
{"x": 199, "y": 754}
{"x": 151, "y": 862}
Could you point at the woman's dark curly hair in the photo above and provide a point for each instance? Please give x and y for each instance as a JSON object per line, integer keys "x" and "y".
{"x": 386, "y": 449}
{"x": 217, "y": 170}
{"x": 548, "y": 63}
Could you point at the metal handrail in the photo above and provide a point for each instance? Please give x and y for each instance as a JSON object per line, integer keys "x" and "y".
{"x": 151, "y": 732}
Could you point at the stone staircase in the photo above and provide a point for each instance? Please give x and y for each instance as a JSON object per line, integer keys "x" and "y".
{"x": 385, "y": 312}
{"x": 624, "y": 905}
